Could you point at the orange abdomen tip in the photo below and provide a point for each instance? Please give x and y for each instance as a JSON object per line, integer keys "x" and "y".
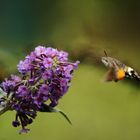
{"x": 120, "y": 74}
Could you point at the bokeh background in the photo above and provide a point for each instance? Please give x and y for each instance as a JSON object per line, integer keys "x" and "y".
{"x": 84, "y": 28}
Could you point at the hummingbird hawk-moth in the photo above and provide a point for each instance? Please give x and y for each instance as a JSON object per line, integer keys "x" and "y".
{"x": 118, "y": 70}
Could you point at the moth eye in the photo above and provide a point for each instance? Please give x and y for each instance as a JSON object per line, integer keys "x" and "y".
{"x": 106, "y": 60}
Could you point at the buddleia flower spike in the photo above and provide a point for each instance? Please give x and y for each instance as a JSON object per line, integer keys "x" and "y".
{"x": 45, "y": 76}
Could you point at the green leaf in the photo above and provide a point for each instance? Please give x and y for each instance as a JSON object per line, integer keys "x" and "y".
{"x": 46, "y": 108}
{"x": 3, "y": 109}
{"x": 4, "y": 101}
{"x": 2, "y": 93}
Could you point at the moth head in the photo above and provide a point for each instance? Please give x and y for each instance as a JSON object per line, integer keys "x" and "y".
{"x": 105, "y": 61}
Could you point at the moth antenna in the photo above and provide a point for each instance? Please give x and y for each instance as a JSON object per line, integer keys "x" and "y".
{"x": 105, "y": 53}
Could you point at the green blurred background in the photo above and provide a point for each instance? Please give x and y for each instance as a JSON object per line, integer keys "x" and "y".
{"x": 84, "y": 28}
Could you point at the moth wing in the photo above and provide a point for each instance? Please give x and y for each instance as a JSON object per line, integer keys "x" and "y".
{"x": 110, "y": 75}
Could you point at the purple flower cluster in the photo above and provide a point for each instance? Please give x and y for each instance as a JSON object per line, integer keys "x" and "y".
{"x": 45, "y": 76}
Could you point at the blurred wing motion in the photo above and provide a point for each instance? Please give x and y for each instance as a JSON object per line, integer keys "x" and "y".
{"x": 46, "y": 108}
{"x": 110, "y": 75}
{"x": 117, "y": 70}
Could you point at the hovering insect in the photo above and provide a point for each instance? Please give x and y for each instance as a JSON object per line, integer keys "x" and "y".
{"x": 118, "y": 70}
